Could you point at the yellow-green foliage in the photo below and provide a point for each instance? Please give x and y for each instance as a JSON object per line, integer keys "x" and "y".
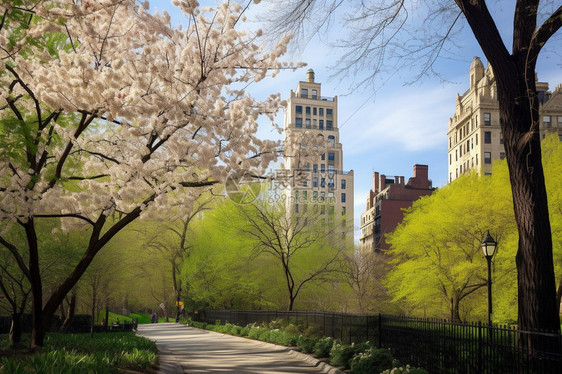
{"x": 436, "y": 249}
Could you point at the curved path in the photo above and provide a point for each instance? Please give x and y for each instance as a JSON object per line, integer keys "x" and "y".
{"x": 184, "y": 349}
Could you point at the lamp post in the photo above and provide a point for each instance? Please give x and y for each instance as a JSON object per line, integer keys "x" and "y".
{"x": 489, "y": 248}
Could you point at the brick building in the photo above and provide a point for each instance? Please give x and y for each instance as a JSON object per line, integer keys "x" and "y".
{"x": 386, "y": 202}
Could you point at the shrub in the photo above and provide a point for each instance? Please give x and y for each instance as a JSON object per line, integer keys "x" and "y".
{"x": 323, "y": 347}
{"x": 244, "y": 331}
{"x": 372, "y": 361}
{"x": 255, "y": 332}
{"x": 276, "y": 337}
{"x": 264, "y": 335}
{"x": 313, "y": 330}
{"x": 306, "y": 343}
{"x": 404, "y": 370}
{"x": 341, "y": 354}
{"x": 276, "y": 324}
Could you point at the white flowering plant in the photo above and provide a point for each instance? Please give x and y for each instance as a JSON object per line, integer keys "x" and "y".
{"x": 108, "y": 113}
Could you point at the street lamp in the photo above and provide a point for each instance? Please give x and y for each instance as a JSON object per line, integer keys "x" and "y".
{"x": 489, "y": 248}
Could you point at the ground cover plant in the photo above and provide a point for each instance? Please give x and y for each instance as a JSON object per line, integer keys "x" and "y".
{"x": 81, "y": 353}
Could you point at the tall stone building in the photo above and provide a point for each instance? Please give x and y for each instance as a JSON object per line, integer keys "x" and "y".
{"x": 386, "y": 203}
{"x": 314, "y": 155}
{"x": 474, "y": 135}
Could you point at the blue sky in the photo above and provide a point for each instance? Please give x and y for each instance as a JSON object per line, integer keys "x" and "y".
{"x": 394, "y": 125}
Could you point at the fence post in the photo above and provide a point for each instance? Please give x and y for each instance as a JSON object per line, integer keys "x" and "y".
{"x": 480, "y": 349}
{"x": 380, "y": 330}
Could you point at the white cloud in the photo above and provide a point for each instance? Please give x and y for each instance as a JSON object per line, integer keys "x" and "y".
{"x": 410, "y": 119}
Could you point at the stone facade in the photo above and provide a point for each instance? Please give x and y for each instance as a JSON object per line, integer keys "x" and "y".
{"x": 313, "y": 154}
{"x": 474, "y": 135}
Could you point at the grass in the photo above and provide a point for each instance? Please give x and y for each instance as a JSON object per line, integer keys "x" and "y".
{"x": 79, "y": 353}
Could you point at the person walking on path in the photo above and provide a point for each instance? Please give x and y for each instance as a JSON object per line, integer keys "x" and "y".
{"x": 184, "y": 349}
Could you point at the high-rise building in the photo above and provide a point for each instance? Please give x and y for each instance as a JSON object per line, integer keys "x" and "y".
{"x": 474, "y": 135}
{"x": 386, "y": 203}
{"x": 313, "y": 153}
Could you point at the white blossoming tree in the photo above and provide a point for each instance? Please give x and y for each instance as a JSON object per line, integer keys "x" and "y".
{"x": 107, "y": 113}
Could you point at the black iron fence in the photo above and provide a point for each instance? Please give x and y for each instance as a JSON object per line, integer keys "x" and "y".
{"x": 437, "y": 346}
{"x": 81, "y": 323}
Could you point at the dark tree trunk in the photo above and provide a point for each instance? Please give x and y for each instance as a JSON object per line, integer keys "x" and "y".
{"x": 559, "y": 294}
{"x": 70, "y": 314}
{"x": 515, "y": 79}
{"x": 455, "y": 314}
{"x": 15, "y": 329}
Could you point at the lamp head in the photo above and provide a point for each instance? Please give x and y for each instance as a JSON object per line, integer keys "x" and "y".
{"x": 489, "y": 245}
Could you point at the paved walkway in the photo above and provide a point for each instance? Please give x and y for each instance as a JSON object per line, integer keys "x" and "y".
{"x": 184, "y": 349}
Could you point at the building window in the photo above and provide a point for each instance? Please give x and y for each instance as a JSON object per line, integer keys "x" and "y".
{"x": 559, "y": 121}
{"x": 329, "y": 125}
{"x": 296, "y": 208}
{"x": 321, "y": 124}
{"x": 329, "y": 112}
{"x": 476, "y": 160}
{"x": 343, "y": 211}
{"x": 304, "y": 92}
{"x": 308, "y": 111}
{"x": 450, "y": 159}
{"x": 331, "y": 184}
{"x": 487, "y": 157}
{"x": 314, "y": 124}
{"x": 322, "y": 167}
{"x": 298, "y": 123}
{"x": 315, "y": 168}
{"x": 307, "y": 122}
{"x": 546, "y": 121}
{"x": 476, "y": 139}
{"x": 456, "y": 154}
{"x": 450, "y": 142}
{"x": 314, "y": 94}
{"x": 314, "y": 110}
{"x": 323, "y": 157}
{"x": 476, "y": 120}
{"x": 343, "y": 184}
{"x": 501, "y": 138}
{"x": 487, "y": 137}
{"x": 343, "y": 197}
{"x": 487, "y": 119}
{"x": 332, "y": 140}
{"x": 330, "y": 169}
{"x": 471, "y": 143}
{"x": 322, "y": 182}
{"x": 314, "y": 181}
{"x": 331, "y": 156}
{"x": 331, "y": 209}
{"x": 298, "y": 109}
{"x": 320, "y": 111}
{"x": 502, "y": 155}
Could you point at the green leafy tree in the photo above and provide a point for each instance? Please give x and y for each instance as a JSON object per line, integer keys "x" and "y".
{"x": 221, "y": 271}
{"x": 436, "y": 249}
{"x": 307, "y": 246}
{"x": 437, "y": 253}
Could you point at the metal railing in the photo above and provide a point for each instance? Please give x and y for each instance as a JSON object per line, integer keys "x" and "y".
{"x": 438, "y": 346}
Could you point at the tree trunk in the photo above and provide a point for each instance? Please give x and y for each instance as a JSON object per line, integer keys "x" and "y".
{"x": 70, "y": 314}
{"x": 559, "y": 294}
{"x": 15, "y": 329}
{"x": 519, "y": 111}
{"x": 455, "y": 315}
